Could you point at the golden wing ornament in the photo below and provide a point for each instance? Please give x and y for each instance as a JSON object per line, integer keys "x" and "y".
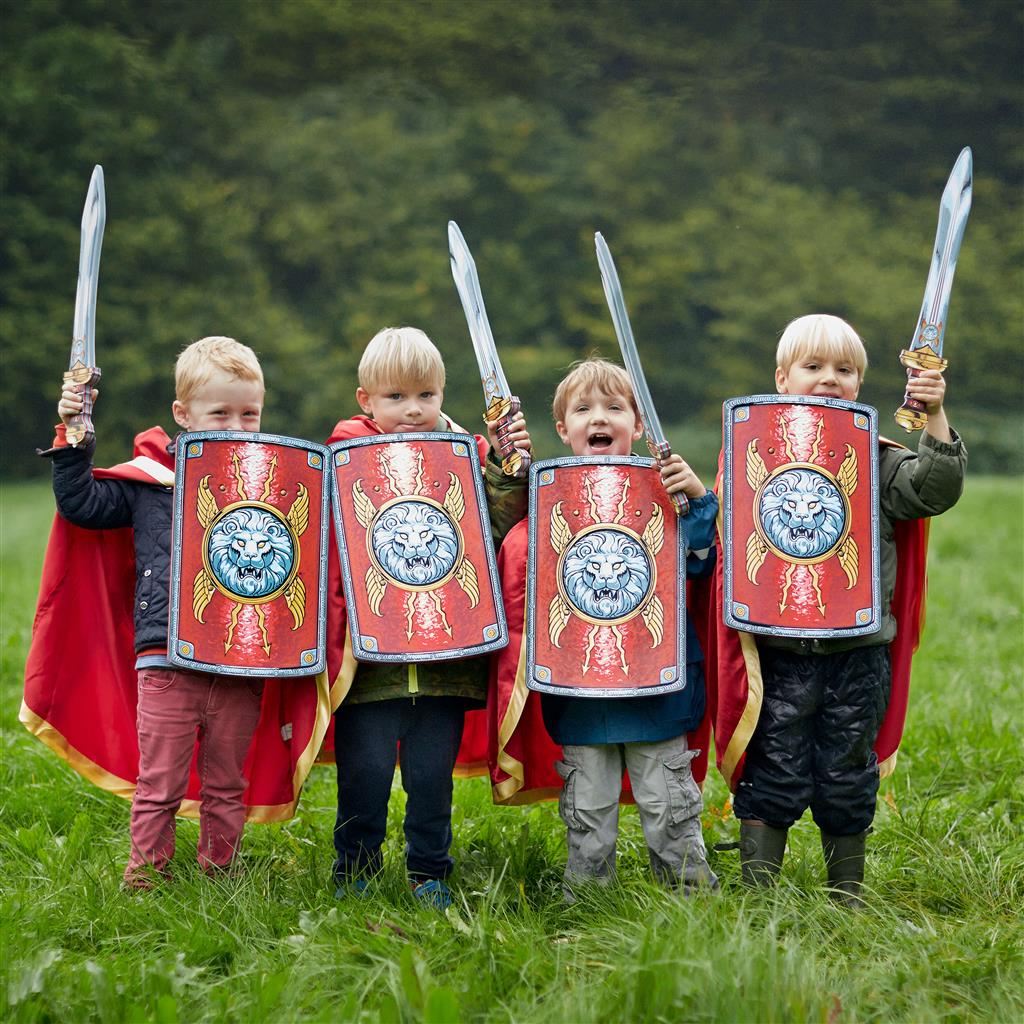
{"x": 654, "y": 531}
{"x": 206, "y": 504}
{"x": 558, "y": 617}
{"x": 454, "y": 501}
{"x": 654, "y": 619}
{"x": 757, "y": 472}
{"x": 561, "y": 535}
{"x": 848, "y": 556}
{"x": 202, "y": 593}
{"x": 376, "y": 586}
{"x": 466, "y": 578}
{"x": 364, "y": 508}
{"x": 757, "y": 551}
{"x": 298, "y": 514}
{"x": 295, "y": 598}
{"x": 847, "y": 475}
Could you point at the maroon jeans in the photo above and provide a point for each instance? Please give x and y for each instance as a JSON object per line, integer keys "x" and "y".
{"x": 176, "y": 707}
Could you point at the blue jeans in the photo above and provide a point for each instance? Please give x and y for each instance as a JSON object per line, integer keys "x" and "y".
{"x": 427, "y": 732}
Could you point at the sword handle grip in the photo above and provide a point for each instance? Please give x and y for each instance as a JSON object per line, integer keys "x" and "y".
{"x": 514, "y": 462}
{"x": 912, "y": 415}
{"x": 660, "y": 452}
{"x": 80, "y": 429}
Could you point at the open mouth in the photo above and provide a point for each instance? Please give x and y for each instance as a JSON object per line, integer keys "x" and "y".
{"x": 605, "y": 595}
{"x": 796, "y": 532}
{"x": 417, "y": 562}
{"x": 599, "y": 441}
{"x": 245, "y": 571}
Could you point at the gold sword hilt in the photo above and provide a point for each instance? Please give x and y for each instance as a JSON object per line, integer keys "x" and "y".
{"x": 80, "y": 429}
{"x": 913, "y": 415}
{"x": 500, "y": 412}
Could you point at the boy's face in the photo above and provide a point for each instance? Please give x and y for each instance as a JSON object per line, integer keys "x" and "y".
{"x": 402, "y": 408}
{"x": 599, "y": 424}
{"x": 222, "y": 403}
{"x": 819, "y": 375}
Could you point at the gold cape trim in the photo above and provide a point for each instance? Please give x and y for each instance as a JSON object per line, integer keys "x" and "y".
{"x": 259, "y": 814}
{"x": 504, "y": 791}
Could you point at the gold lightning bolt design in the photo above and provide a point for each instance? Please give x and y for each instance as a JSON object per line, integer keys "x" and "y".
{"x": 236, "y": 608}
{"x": 790, "y": 569}
{"x": 390, "y": 474}
{"x": 816, "y": 583}
{"x": 621, "y": 510}
{"x": 591, "y": 640}
{"x": 239, "y": 482}
{"x": 435, "y": 596}
{"x": 594, "y": 515}
{"x": 410, "y": 610}
{"x": 418, "y": 485}
{"x": 816, "y": 449}
{"x": 617, "y": 633}
{"x": 786, "y": 444}
{"x": 269, "y": 485}
{"x": 261, "y": 619}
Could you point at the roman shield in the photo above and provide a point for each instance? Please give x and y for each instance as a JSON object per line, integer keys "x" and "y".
{"x": 249, "y": 554}
{"x": 800, "y": 516}
{"x": 606, "y": 584}
{"x": 417, "y": 560}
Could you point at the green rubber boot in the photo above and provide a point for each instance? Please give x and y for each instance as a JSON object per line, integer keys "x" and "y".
{"x": 761, "y": 851}
{"x": 844, "y": 858}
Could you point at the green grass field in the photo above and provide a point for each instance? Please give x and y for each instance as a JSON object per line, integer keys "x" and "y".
{"x": 942, "y": 939}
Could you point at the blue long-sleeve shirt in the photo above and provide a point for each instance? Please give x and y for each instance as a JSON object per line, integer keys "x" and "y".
{"x": 592, "y": 720}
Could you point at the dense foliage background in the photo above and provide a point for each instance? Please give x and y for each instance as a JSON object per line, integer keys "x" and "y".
{"x": 283, "y": 171}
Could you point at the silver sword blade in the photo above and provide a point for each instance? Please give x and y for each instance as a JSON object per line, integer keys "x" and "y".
{"x": 620, "y": 318}
{"x": 953, "y": 212}
{"x": 468, "y": 285}
{"x": 94, "y": 218}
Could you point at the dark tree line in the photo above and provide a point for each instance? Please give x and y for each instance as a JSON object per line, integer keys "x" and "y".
{"x": 283, "y": 172}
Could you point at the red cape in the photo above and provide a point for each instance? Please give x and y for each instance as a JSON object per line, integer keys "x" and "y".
{"x": 520, "y": 754}
{"x": 734, "y": 668}
{"x": 341, "y": 664}
{"x": 80, "y": 680}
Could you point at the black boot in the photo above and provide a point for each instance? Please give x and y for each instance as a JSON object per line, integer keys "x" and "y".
{"x": 761, "y": 851}
{"x": 844, "y": 858}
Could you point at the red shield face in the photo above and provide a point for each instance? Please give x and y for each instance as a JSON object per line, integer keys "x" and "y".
{"x": 249, "y": 558}
{"x": 415, "y": 543}
{"x": 800, "y": 514}
{"x": 607, "y": 580}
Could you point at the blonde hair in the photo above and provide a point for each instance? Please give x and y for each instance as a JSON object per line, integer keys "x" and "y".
{"x": 821, "y": 334}
{"x": 198, "y": 363}
{"x": 607, "y": 377}
{"x": 400, "y": 355}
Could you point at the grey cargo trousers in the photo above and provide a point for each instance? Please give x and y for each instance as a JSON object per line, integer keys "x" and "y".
{"x": 667, "y": 799}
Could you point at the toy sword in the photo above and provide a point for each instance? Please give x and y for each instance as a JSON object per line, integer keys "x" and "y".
{"x": 925, "y": 352}
{"x": 83, "y": 368}
{"x": 657, "y": 443}
{"x": 501, "y": 404}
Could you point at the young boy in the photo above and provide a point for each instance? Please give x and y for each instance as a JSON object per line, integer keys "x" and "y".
{"x": 417, "y": 708}
{"x": 824, "y": 701}
{"x": 219, "y": 386}
{"x": 595, "y": 414}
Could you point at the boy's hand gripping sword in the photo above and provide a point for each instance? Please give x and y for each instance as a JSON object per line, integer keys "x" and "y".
{"x": 657, "y": 443}
{"x": 501, "y": 404}
{"x": 83, "y": 368}
{"x": 925, "y": 352}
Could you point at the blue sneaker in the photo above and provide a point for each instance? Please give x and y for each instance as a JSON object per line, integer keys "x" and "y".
{"x": 433, "y": 893}
{"x": 359, "y": 888}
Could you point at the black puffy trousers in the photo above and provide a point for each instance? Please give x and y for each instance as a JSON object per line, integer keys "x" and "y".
{"x": 812, "y": 747}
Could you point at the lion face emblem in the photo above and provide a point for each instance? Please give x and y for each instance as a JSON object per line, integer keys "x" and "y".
{"x": 802, "y": 513}
{"x": 250, "y": 552}
{"x": 606, "y": 574}
{"x": 415, "y": 543}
